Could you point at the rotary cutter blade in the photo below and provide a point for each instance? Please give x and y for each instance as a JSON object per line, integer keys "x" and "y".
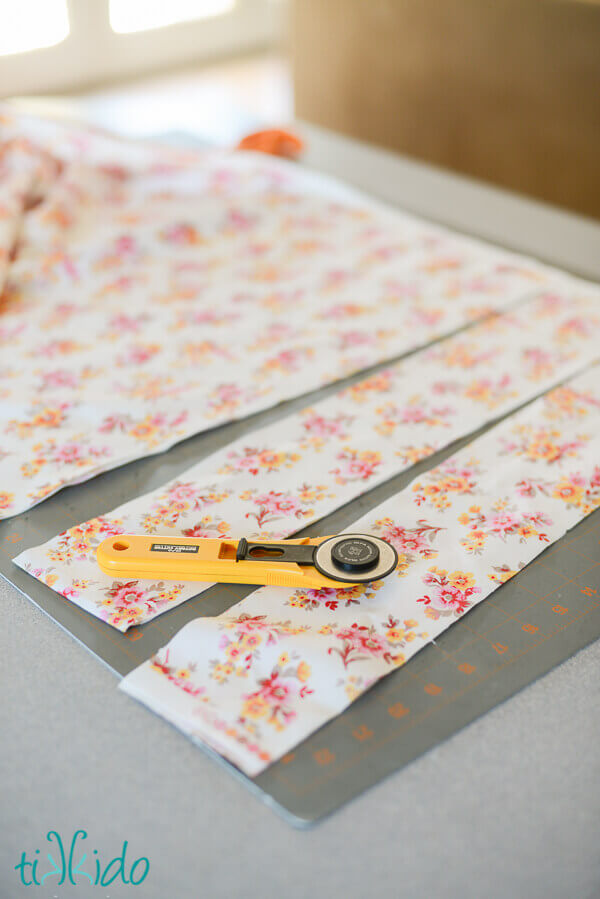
{"x": 311, "y": 562}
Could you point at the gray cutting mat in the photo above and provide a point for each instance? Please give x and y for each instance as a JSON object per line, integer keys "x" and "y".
{"x": 536, "y": 621}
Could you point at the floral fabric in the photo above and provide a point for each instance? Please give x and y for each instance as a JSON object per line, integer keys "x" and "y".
{"x": 277, "y": 480}
{"x": 147, "y": 294}
{"x": 257, "y": 680}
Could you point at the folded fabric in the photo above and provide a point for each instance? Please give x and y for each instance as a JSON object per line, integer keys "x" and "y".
{"x": 148, "y": 294}
{"x": 257, "y": 680}
{"x": 277, "y": 480}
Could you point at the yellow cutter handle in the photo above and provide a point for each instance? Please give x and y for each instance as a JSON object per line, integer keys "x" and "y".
{"x": 204, "y": 559}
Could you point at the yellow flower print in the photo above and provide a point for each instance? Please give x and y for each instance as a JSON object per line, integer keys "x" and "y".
{"x": 402, "y": 566}
{"x": 377, "y": 384}
{"x": 6, "y": 500}
{"x": 462, "y": 580}
{"x": 502, "y": 575}
{"x": 255, "y": 707}
{"x": 250, "y": 641}
{"x": 222, "y": 671}
{"x": 543, "y": 449}
{"x": 413, "y": 454}
{"x": 303, "y": 672}
{"x": 299, "y": 601}
{"x": 326, "y": 629}
{"x": 527, "y": 530}
{"x": 183, "y": 673}
{"x": 395, "y": 635}
{"x": 283, "y": 659}
{"x": 570, "y": 493}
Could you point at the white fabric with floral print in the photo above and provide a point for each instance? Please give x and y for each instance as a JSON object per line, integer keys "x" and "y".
{"x": 257, "y": 680}
{"x": 147, "y": 294}
{"x": 278, "y": 479}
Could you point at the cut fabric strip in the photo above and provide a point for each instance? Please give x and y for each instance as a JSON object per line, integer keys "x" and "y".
{"x": 257, "y": 680}
{"x": 153, "y": 294}
{"x": 279, "y": 479}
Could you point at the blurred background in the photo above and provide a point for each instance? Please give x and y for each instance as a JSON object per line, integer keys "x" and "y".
{"x": 507, "y": 91}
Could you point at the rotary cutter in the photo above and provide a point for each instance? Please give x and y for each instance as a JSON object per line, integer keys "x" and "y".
{"x": 311, "y": 562}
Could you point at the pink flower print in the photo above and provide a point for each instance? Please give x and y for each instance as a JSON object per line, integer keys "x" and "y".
{"x": 287, "y": 360}
{"x": 68, "y": 453}
{"x": 9, "y": 334}
{"x": 275, "y": 690}
{"x": 405, "y": 290}
{"x": 121, "y": 284}
{"x": 385, "y": 253}
{"x": 58, "y": 378}
{"x": 354, "y": 338}
{"x": 425, "y": 317}
{"x": 410, "y": 543}
{"x": 56, "y": 348}
{"x": 123, "y": 322}
{"x": 126, "y": 594}
{"x": 239, "y": 221}
{"x": 182, "y": 492}
{"x": 442, "y": 387}
{"x": 549, "y": 303}
{"x": 360, "y": 642}
{"x": 125, "y": 245}
{"x": 528, "y": 487}
{"x": 226, "y": 397}
{"x": 343, "y": 310}
{"x": 319, "y": 426}
{"x": 541, "y": 362}
{"x": 333, "y": 280}
{"x": 182, "y": 234}
{"x": 115, "y": 423}
{"x": 114, "y": 171}
{"x": 280, "y": 503}
{"x": 179, "y": 677}
{"x": 247, "y": 624}
{"x": 412, "y": 415}
{"x": 138, "y": 354}
{"x": 356, "y": 466}
{"x": 210, "y": 317}
{"x": 419, "y": 414}
{"x": 274, "y": 505}
{"x": 502, "y": 523}
{"x": 447, "y": 598}
{"x": 451, "y": 594}
{"x": 478, "y": 284}
{"x": 272, "y": 700}
{"x": 577, "y": 327}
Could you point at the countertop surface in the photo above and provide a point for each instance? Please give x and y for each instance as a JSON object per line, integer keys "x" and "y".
{"x": 508, "y": 807}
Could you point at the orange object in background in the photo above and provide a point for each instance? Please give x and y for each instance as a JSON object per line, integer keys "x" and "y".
{"x": 274, "y": 141}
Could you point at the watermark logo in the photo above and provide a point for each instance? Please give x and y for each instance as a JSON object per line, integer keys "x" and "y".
{"x": 71, "y": 862}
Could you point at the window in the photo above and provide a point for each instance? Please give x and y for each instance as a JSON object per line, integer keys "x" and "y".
{"x": 32, "y": 24}
{"x": 50, "y": 46}
{"x": 143, "y": 15}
